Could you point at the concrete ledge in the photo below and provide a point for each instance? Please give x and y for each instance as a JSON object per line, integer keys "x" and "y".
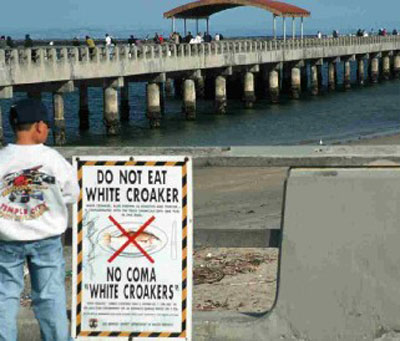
{"x": 280, "y": 156}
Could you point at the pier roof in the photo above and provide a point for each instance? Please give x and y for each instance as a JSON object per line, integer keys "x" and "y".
{"x": 205, "y": 8}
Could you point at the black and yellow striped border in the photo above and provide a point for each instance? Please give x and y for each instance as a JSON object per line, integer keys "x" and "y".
{"x": 79, "y": 255}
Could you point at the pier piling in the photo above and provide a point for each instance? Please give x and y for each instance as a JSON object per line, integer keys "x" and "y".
{"x": 110, "y": 107}
{"x": 153, "y": 105}
{"x": 59, "y": 120}
{"x": 274, "y": 86}
{"x": 374, "y": 76}
{"x": 331, "y": 76}
{"x": 347, "y": 75}
{"x": 220, "y": 94}
{"x": 189, "y": 99}
{"x": 296, "y": 83}
{"x": 314, "y": 80}
{"x": 360, "y": 71}
{"x": 396, "y": 65}
{"x": 169, "y": 87}
{"x": 249, "y": 92}
{"x": 386, "y": 67}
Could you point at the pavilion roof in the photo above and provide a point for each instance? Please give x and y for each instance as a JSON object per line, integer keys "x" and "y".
{"x": 205, "y": 8}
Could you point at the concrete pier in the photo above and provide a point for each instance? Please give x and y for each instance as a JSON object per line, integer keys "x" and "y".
{"x": 314, "y": 80}
{"x": 347, "y": 75}
{"x": 153, "y": 105}
{"x": 169, "y": 87}
{"x": 396, "y": 65}
{"x": 110, "y": 107}
{"x": 331, "y": 76}
{"x": 220, "y": 94}
{"x": 83, "y": 107}
{"x": 59, "y": 120}
{"x": 248, "y": 89}
{"x": 386, "y": 66}
{"x": 296, "y": 83}
{"x": 374, "y": 75}
{"x": 274, "y": 86}
{"x": 360, "y": 71}
{"x": 282, "y": 64}
{"x": 189, "y": 99}
{"x": 124, "y": 105}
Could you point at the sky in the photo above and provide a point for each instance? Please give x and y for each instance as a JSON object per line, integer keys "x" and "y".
{"x": 53, "y": 16}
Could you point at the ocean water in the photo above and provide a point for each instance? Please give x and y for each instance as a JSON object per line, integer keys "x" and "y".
{"x": 339, "y": 116}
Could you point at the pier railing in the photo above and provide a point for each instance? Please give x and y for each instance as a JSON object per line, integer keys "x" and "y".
{"x": 55, "y": 61}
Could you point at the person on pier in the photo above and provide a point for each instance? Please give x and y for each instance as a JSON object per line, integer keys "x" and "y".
{"x": 188, "y": 38}
{"x": 28, "y": 41}
{"x": 10, "y": 42}
{"x": 3, "y": 42}
{"x": 91, "y": 45}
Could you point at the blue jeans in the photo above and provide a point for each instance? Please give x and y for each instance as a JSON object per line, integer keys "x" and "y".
{"x": 47, "y": 270}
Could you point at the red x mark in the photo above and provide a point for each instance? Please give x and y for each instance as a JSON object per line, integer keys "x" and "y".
{"x": 131, "y": 239}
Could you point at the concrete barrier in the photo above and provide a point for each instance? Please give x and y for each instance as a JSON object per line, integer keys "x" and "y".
{"x": 340, "y": 262}
{"x": 339, "y": 270}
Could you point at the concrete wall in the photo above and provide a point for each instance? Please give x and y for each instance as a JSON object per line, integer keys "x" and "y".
{"x": 53, "y": 64}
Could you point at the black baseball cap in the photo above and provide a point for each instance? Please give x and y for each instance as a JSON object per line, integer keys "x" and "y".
{"x": 28, "y": 111}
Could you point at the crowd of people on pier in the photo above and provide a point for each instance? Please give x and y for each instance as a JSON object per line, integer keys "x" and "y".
{"x": 6, "y": 42}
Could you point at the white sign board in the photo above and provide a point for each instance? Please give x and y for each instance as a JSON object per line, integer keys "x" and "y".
{"x": 132, "y": 256}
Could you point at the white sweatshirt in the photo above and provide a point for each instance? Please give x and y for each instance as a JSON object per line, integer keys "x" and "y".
{"x": 36, "y": 183}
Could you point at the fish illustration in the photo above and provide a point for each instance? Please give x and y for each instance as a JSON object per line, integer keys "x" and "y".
{"x": 144, "y": 238}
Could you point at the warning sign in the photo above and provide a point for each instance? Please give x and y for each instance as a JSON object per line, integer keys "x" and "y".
{"x": 132, "y": 252}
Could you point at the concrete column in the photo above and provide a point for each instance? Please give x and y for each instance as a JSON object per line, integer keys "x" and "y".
{"x": 169, "y": 87}
{"x": 346, "y": 76}
{"x": 304, "y": 78}
{"x": 200, "y": 84}
{"x": 153, "y": 105}
{"x": 331, "y": 76}
{"x": 124, "y": 105}
{"x": 59, "y": 120}
{"x": 274, "y": 86}
{"x": 386, "y": 67}
{"x": 296, "y": 83}
{"x": 248, "y": 90}
{"x": 396, "y": 65}
{"x": 110, "y": 109}
{"x": 220, "y": 95}
{"x": 83, "y": 107}
{"x": 374, "y": 77}
{"x": 360, "y": 71}
{"x": 189, "y": 99}
{"x": 314, "y": 80}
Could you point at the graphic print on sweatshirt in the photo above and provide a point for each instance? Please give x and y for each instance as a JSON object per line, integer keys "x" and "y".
{"x": 22, "y": 194}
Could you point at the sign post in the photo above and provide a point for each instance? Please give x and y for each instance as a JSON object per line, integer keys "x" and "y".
{"x": 132, "y": 249}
